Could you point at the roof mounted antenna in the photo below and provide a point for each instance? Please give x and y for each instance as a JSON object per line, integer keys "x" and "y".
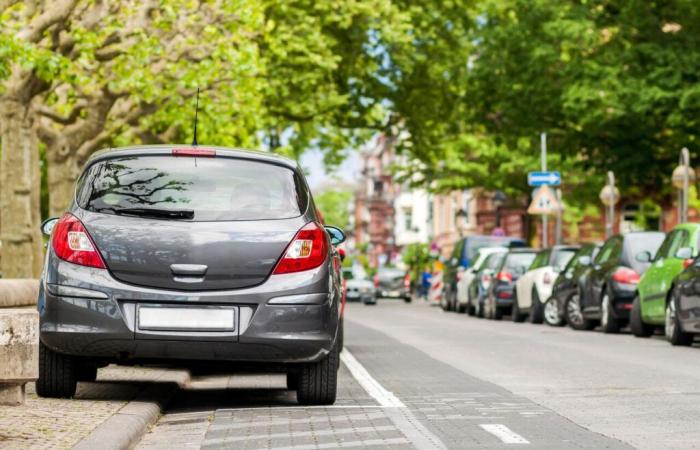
{"x": 196, "y": 111}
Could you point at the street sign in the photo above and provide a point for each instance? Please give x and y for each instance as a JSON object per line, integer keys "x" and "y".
{"x": 544, "y": 202}
{"x": 544, "y": 178}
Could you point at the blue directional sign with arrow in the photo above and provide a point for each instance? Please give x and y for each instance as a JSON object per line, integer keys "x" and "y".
{"x": 544, "y": 178}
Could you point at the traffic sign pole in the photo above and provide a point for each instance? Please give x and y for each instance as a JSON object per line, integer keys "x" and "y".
{"x": 543, "y": 161}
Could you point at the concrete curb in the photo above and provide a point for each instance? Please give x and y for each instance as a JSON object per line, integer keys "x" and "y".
{"x": 124, "y": 430}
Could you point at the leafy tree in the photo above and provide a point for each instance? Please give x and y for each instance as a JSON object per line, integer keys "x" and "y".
{"x": 334, "y": 205}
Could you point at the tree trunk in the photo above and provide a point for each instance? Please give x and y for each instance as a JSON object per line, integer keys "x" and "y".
{"x": 62, "y": 173}
{"x": 20, "y": 186}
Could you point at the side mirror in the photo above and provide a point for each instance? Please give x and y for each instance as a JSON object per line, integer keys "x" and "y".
{"x": 48, "y": 224}
{"x": 585, "y": 260}
{"x": 643, "y": 257}
{"x": 336, "y": 234}
{"x": 684, "y": 253}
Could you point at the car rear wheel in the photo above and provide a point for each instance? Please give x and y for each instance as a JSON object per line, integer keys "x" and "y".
{"x": 551, "y": 313}
{"x": 407, "y": 299}
{"x": 608, "y": 322}
{"x": 637, "y": 325}
{"x": 536, "y": 308}
{"x": 57, "y": 374}
{"x": 672, "y": 329}
{"x": 574, "y": 316}
{"x": 318, "y": 382}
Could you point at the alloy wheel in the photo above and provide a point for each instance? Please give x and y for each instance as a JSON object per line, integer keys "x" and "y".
{"x": 551, "y": 312}
{"x": 605, "y": 305}
{"x": 670, "y": 324}
{"x": 573, "y": 309}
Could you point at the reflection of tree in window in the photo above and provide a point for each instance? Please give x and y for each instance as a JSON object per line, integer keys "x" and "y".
{"x": 134, "y": 185}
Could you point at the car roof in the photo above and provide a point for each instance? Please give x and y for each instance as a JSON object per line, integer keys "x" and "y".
{"x": 154, "y": 150}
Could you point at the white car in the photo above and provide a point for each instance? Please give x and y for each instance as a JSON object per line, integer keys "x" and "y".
{"x": 466, "y": 276}
{"x": 535, "y": 286}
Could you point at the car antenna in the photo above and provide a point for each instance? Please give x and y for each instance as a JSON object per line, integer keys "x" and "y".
{"x": 196, "y": 111}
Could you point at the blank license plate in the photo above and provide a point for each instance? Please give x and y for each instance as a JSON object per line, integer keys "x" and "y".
{"x": 187, "y": 319}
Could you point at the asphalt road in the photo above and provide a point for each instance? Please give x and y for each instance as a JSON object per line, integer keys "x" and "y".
{"x": 416, "y": 377}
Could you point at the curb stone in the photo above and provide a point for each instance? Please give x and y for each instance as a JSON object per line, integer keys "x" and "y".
{"x": 126, "y": 427}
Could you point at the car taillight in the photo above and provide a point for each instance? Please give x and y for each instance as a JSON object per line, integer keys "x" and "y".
{"x": 504, "y": 276}
{"x": 71, "y": 242}
{"x": 407, "y": 281}
{"x": 626, "y": 275}
{"x": 687, "y": 263}
{"x": 376, "y": 280}
{"x": 196, "y": 152}
{"x": 307, "y": 250}
{"x": 547, "y": 278}
{"x": 485, "y": 278}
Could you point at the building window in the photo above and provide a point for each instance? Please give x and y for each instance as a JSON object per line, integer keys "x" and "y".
{"x": 408, "y": 219}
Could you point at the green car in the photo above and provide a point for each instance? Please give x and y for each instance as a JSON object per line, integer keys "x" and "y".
{"x": 676, "y": 251}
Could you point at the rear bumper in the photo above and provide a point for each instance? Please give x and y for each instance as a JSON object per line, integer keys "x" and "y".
{"x": 623, "y": 299}
{"x": 393, "y": 293}
{"x": 302, "y": 330}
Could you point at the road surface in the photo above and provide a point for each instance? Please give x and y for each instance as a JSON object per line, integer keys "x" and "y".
{"x": 414, "y": 376}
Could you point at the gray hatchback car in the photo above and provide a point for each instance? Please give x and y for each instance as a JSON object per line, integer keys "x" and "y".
{"x": 189, "y": 255}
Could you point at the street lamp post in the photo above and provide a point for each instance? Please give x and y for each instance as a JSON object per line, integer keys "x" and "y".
{"x": 681, "y": 178}
{"x": 609, "y": 195}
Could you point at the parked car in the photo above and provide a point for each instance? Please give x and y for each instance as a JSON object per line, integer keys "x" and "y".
{"x": 610, "y": 287}
{"x": 463, "y": 255}
{"x": 653, "y": 293}
{"x": 567, "y": 284}
{"x": 465, "y": 277}
{"x": 359, "y": 288}
{"x": 682, "y": 321}
{"x": 535, "y": 286}
{"x": 499, "y": 297}
{"x": 184, "y": 256}
{"x": 391, "y": 282}
{"x": 481, "y": 282}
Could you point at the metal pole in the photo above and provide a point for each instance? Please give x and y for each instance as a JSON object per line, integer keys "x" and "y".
{"x": 611, "y": 207}
{"x": 685, "y": 163}
{"x": 558, "y": 227}
{"x": 543, "y": 162}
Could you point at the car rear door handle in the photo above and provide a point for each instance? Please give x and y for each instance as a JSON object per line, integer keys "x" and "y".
{"x": 191, "y": 270}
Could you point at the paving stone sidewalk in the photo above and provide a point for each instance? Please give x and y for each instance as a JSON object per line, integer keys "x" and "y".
{"x": 60, "y": 424}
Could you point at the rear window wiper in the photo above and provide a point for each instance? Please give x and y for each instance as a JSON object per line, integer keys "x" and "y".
{"x": 156, "y": 212}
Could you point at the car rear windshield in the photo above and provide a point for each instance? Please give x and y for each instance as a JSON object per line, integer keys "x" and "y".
{"x": 208, "y": 189}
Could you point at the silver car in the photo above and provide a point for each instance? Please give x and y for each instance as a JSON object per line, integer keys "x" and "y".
{"x": 191, "y": 255}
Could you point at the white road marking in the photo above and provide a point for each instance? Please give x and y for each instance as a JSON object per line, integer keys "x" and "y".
{"x": 368, "y": 383}
{"x": 402, "y": 417}
{"x": 505, "y": 434}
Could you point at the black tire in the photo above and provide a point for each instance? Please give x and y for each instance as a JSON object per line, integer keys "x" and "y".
{"x": 576, "y": 321}
{"x": 341, "y": 335}
{"x": 86, "y": 372}
{"x": 407, "y": 299}
{"x": 608, "y": 322}
{"x": 57, "y": 374}
{"x": 637, "y": 325}
{"x": 536, "y": 310}
{"x": 674, "y": 334}
{"x": 516, "y": 315}
{"x": 497, "y": 313}
{"x": 292, "y": 381}
{"x": 318, "y": 382}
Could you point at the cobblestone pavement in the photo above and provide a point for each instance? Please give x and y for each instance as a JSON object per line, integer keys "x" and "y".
{"x": 60, "y": 424}
{"x": 433, "y": 406}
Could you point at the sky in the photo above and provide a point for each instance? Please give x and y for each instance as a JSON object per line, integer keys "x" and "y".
{"x": 316, "y": 175}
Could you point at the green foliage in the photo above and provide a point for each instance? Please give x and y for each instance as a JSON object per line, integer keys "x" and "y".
{"x": 334, "y": 204}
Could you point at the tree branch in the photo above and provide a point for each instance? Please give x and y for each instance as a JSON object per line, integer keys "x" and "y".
{"x": 58, "y": 12}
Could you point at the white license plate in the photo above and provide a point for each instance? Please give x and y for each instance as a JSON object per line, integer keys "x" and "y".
{"x": 187, "y": 319}
{"x": 393, "y": 293}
